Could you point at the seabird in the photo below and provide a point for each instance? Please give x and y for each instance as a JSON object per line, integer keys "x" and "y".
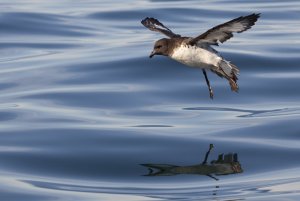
{"x": 197, "y": 51}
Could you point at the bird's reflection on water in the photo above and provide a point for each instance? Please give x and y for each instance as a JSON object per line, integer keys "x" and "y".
{"x": 224, "y": 165}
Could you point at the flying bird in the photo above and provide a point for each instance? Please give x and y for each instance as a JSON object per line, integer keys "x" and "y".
{"x": 197, "y": 51}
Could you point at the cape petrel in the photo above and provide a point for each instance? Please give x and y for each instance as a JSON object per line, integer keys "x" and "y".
{"x": 197, "y": 51}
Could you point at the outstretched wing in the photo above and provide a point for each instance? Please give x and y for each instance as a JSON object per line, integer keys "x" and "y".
{"x": 223, "y": 32}
{"x": 154, "y": 25}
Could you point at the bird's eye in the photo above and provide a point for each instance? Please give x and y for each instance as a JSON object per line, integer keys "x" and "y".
{"x": 158, "y": 46}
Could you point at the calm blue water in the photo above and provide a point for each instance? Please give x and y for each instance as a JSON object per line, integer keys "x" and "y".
{"x": 82, "y": 105}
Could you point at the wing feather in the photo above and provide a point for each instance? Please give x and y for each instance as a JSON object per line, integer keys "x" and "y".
{"x": 154, "y": 25}
{"x": 223, "y": 32}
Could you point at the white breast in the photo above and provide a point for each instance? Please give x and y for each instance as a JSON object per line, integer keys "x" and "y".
{"x": 195, "y": 56}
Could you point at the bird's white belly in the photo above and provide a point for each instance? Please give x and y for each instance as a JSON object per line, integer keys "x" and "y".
{"x": 195, "y": 56}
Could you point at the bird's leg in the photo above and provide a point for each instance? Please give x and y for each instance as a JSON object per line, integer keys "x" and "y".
{"x": 211, "y": 146}
{"x": 209, "y": 175}
{"x": 211, "y": 94}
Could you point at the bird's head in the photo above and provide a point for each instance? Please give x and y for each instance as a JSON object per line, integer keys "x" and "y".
{"x": 160, "y": 48}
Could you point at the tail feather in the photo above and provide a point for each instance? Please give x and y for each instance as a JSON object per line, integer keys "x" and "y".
{"x": 233, "y": 85}
{"x": 230, "y": 72}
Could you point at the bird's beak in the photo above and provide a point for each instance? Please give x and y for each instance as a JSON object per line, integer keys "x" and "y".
{"x": 152, "y": 54}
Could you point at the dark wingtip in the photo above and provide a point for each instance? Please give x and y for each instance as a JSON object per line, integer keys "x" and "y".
{"x": 254, "y": 17}
{"x": 257, "y": 14}
{"x": 144, "y": 21}
{"x": 251, "y": 19}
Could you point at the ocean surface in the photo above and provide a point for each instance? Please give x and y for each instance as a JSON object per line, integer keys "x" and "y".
{"x": 82, "y": 106}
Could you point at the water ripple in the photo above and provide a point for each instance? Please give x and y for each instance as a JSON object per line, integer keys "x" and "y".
{"x": 252, "y": 113}
{"x": 38, "y": 24}
{"x": 82, "y": 105}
